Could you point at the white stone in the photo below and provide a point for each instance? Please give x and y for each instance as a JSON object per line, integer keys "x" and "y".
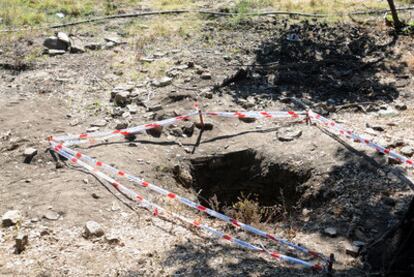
{"x": 288, "y": 134}
{"x": 63, "y": 37}
{"x": 30, "y": 152}
{"x": 99, "y": 123}
{"x": 407, "y": 150}
{"x": 164, "y": 81}
{"x": 51, "y": 215}
{"x": 389, "y": 112}
{"x": 93, "y": 229}
{"x": 330, "y": 231}
{"x": 11, "y": 217}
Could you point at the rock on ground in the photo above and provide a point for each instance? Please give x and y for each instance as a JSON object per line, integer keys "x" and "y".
{"x": 330, "y": 231}
{"x": 55, "y": 44}
{"x": 76, "y": 45}
{"x": 30, "y": 152}
{"x": 21, "y": 240}
{"x": 11, "y": 218}
{"x": 206, "y": 76}
{"x": 122, "y": 98}
{"x": 155, "y": 132}
{"x": 164, "y": 81}
{"x": 407, "y": 150}
{"x": 93, "y": 229}
{"x": 55, "y": 52}
{"x": 51, "y": 215}
{"x": 288, "y": 134}
{"x": 63, "y": 37}
{"x": 99, "y": 123}
{"x": 188, "y": 128}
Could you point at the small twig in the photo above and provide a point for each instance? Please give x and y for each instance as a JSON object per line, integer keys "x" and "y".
{"x": 14, "y": 182}
{"x": 351, "y": 105}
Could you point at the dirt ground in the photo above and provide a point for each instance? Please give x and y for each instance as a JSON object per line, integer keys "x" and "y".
{"x": 359, "y": 75}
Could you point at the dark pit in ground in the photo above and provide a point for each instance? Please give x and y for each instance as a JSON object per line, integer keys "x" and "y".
{"x": 232, "y": 176}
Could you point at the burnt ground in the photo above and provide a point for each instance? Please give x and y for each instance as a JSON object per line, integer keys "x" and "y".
{"x": 351, "y": 73}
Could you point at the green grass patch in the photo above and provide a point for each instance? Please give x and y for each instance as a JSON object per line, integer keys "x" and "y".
{"x": 18, "y": 13}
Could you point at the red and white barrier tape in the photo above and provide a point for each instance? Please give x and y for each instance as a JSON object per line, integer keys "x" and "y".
{"x": 96, "y": 167}
{"x": 156, "y": 209}
{"x": 59, "y": 145}
{"x": 141, "y": 182}
{"x": 100, "y": 136}
{"x": 351, "y": 135}
{"x": 95, "y": 136}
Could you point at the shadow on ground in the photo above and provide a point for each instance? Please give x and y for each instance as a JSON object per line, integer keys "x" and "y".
{"x": 353, "y": 199}
{"x": 218, "y": 260}
{"x": 326, "y": 66}
{"x": 334, "y": 64}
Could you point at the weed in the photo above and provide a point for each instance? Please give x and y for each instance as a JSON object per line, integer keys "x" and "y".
{"x": 208, "y": 40}
{"x": 248, "y": 210}
{"x": 95, "y": 107}
{"x": 241, "y": 10}
{"x": 157, "y": 68}
{"x": 110, "y": 7}
{"x": 162, "y": 169}
{"x": 214, "y": 203}
{"x": 135, "y": 75}
{"x": 34, "y": 55}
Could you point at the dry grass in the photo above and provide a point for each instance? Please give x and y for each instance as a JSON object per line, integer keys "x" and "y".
{"x": 313, "y": 6}
{"x": 22, "y": 12}
{"x": 157, "y": 68}
{"x": 327, "y": 6}
{"x": 131, "y": 68}
{"x": 19, "y": 52}
{"x": 172, "y": 4}
{"x": 143, "y": 34}
{"x": 248, "y": 210}
{"x": 330, "y": 7}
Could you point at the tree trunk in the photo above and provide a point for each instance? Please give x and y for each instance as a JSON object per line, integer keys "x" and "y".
{"x": 397, "y": 22}
{"x": 393, "y": 254}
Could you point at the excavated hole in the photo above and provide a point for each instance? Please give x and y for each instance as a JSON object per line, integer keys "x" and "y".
{"x": 223, "y": 181}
